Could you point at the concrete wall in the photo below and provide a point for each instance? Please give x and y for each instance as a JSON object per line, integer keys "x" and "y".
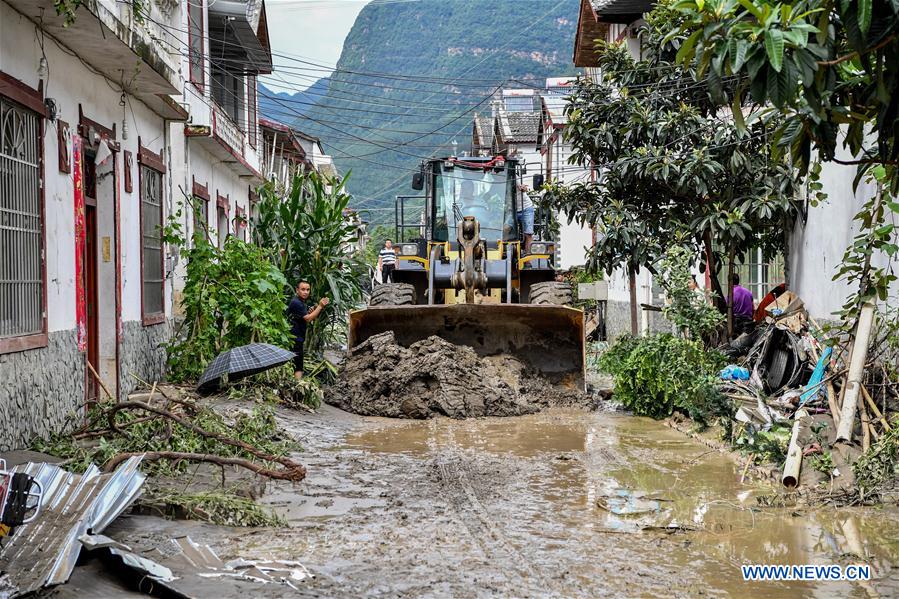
{"x": 574, "y": 239}
{"x": 817, "y": 245}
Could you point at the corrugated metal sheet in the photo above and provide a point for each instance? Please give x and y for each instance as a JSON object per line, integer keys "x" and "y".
{"x": 44, "y": 552}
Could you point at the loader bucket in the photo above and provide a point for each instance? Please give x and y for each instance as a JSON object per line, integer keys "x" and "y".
{"x": 549, "y": 339}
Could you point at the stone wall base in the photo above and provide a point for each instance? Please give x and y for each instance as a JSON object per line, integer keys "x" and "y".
{"x": 142, "y": 354}
{"x": 41, "y": 391}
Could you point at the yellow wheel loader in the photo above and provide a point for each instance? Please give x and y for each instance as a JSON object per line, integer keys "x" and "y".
{"x": 464, "y": 276}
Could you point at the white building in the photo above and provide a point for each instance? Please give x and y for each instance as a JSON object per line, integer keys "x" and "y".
{"x": 815, "y": 245}
{"x": 517, "y": 126}
{"x": 574, "y": 239}
{"x": 225, "y": 47}
{"x": 105, "y": 124}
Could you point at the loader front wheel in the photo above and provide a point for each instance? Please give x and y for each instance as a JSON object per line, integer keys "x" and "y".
{"x": 393, "y": 294}
{"x": 551, "y": 293}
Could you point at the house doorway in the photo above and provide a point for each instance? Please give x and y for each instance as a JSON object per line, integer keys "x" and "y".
{"x": 100, "y": 271}
{"x": 91, "y": 387}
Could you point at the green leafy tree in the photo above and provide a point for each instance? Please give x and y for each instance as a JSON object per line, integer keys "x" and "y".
{"x": 308, "y": 237}
{"x": 830, "y": 69}
{"x": 826, "y": 64}
{"x": 669, "y": 163}
{"x": 232, "y": 296}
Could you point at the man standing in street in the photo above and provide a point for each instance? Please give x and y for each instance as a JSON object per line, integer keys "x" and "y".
{"x": 387, "y": 261}
{"x": 299, "y": 316}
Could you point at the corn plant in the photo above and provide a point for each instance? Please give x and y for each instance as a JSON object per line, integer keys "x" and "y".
{"x": 311, "y": 239}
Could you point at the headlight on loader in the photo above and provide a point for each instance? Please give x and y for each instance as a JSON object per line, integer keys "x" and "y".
{"x": 539, "y": 248}
{"x": 408, "y": 249}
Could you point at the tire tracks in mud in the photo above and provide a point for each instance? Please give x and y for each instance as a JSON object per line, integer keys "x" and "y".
{"x": 458, "y": 491}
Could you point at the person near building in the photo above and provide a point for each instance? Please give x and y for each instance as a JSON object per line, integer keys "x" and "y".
{"x": 743, "y": 307}
{"x": 300, "y": 316}
{"x": 526, "y": 217}
{"x": 387, "y": 261}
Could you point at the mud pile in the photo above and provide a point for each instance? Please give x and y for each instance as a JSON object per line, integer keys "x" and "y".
{"x": 434, "y": 376}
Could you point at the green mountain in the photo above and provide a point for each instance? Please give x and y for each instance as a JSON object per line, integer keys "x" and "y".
{"x": 412, "y": 74}
{"x": 286, "y": 106}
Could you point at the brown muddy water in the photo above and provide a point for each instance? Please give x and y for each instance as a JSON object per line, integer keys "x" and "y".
{"x": 562, "y": 503}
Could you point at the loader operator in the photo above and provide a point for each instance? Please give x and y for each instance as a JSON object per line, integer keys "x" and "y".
{"x": 299, "y": 316}
{"x": 478, "y": 205}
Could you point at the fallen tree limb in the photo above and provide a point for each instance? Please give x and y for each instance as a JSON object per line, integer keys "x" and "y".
{"x": 294, "y": 473}
{"x": 874, "y": 408}
{"x": 136, "y": 405}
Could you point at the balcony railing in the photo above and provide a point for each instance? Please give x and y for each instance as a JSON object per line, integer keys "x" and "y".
{"x": 227, "y": 130}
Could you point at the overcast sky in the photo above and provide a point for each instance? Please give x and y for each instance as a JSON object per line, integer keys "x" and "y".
{"x": 312, "y": 29}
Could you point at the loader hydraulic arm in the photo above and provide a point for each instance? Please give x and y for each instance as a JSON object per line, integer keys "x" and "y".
{"x": 471, "y": 275}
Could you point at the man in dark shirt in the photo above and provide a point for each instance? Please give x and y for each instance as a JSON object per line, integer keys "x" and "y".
{"x": 299, "y": 316}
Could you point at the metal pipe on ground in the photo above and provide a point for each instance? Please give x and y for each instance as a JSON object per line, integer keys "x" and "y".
{"x": 793, "y": 464}
{"x": 856, "y": 372}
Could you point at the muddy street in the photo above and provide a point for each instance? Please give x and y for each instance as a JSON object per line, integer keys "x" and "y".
{"x": 561, "y": 503}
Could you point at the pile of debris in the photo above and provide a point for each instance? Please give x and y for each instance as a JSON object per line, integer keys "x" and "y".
{"x": 820, "y": 405}
{"x": 435, "y": 377}
{"x": 208, "y": 459}
{"x": 66, "y": 515}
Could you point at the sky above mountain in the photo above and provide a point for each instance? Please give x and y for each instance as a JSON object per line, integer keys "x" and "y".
{"x": 311, "y": 29}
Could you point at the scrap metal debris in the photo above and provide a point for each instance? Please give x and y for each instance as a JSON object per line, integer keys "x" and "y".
{"x": 181, "y": 567}
{"x": 829, "y": 395}
{"x": 73, "y": 508}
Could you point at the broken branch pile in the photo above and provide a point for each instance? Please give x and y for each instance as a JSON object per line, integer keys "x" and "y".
{"x": 171, "y": 432}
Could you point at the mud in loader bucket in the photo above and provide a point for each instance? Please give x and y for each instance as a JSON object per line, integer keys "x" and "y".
{"x": 550, "y": 339}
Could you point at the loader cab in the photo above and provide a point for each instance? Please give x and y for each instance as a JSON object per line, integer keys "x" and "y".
{"x": 480, "y": 187}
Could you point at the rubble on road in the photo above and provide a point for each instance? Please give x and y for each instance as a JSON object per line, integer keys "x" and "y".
{"x": 435, "y": 377}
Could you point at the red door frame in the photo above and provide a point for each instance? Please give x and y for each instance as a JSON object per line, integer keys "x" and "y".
{"x": 86, "y": 127}
{"x": 91, "y": 297}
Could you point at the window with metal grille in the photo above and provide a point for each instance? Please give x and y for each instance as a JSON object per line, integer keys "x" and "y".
{"x": 758, "y": 272}
{"x": 201, "y": 208}
{"x": 196, "y": 36}
{"x": 152, "y": 275}
{"x": 202, "y": 212}
{"x": 228, "y": 92}
{"x": 760, "y": 275}
{"x": 21, "y": 230}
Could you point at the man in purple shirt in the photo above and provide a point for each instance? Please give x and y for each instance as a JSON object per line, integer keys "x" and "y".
{"x": 743, "y": 307}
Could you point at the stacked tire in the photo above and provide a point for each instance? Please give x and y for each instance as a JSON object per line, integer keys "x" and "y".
{"x": 393, "y": 294}
{"x": 551, "y": 293}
